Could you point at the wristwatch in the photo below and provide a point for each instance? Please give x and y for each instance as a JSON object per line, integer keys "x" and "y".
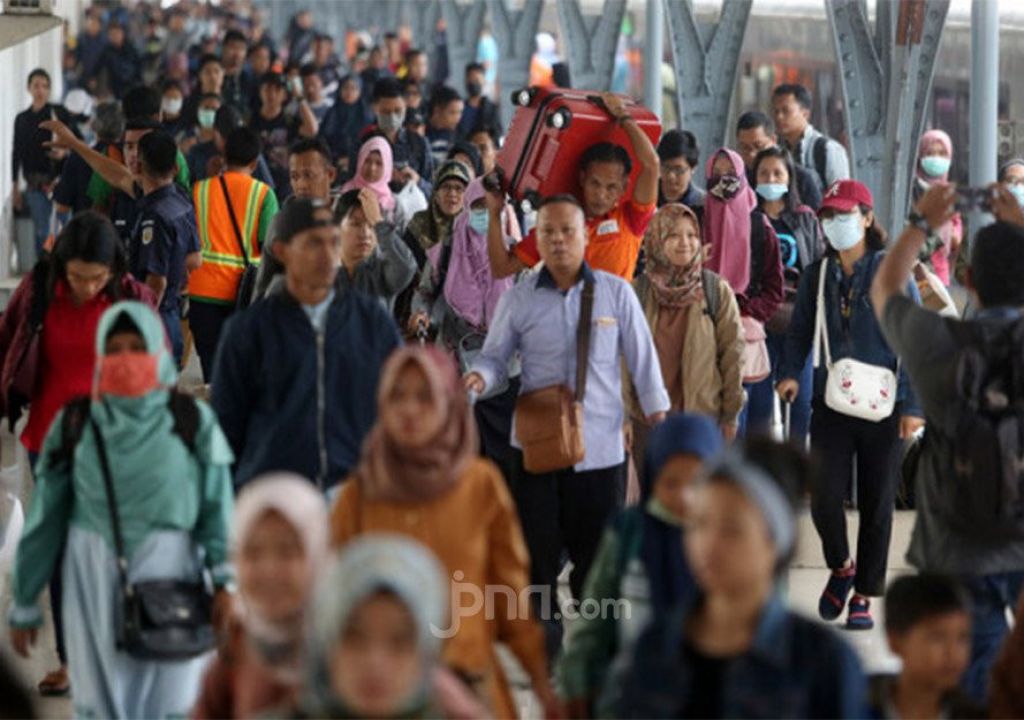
{"x": 917, "y": 220}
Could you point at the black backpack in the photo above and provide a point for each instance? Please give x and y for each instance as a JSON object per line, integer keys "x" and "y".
{"x": 182, "y": 407}
{"x": 984, "y": 430}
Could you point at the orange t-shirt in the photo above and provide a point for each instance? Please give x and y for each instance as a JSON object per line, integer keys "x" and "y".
{"x": 613, "y": 239}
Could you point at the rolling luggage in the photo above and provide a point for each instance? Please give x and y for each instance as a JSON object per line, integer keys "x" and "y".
{"x": 550, "y": 130}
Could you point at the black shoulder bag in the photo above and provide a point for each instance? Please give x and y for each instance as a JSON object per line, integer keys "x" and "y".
{"x": 247, "y": 285}
{"x": 159, "y": 619}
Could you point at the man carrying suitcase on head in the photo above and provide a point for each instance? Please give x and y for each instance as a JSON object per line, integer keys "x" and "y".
{"x": 615, "y": 224}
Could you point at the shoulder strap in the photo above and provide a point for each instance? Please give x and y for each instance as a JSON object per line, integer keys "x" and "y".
{"x": 115, "y": 520}
{"x": 234, "y": 220}
{"x": 185, "y": 412}
{"x": 712, "y": 294}
{"x": 583, "y": 338}
{"x": 40, "y": 301}
{"x": 821, "y": 324}
{"x": 757, "y": 241}
{"x": 71, "y": 426}
{"x": 821, "y": 159}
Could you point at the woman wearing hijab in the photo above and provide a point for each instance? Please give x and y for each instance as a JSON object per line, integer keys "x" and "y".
{"x": 733, "y": 649}
{"x": 342, "y": 124}
{"x": 56, "y": 309}
{"x": 640, "y": 560}
{"x": 374, "y": 166}
{"x": 170, "y": 469}
{"x": 801, "y": 242}
{"x": 457, "y": 292}
{"x": 432, "y": 227}
{"x": 280, "y": 542}
{"x": 744, "y": 248}
{"x": 457, "y": 295}
{"x": 418, "y": 476}
{"x": 699, "y": 338}
{"x": 374, "y": 646}
{"x": 935, "y": 155}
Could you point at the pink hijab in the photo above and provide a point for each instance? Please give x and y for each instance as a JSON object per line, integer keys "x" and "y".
{"x": 384, "y": 196}
{"x": 954, "y": 227}
{"x": 470, "y": 289}
{"x": 727, "y": 226}
{"x": 926, "y": 141}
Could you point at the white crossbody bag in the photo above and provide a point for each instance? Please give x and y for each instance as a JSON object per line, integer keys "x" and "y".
{"x": 856, "y": 389}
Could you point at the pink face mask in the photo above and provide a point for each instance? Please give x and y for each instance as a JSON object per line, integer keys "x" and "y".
{"x": 128, "y": 374}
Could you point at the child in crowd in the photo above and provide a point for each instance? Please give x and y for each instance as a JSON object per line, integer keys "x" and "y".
{"x": 928, "y": 625}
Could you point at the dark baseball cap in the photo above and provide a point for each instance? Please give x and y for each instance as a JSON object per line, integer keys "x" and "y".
{"x": 273, "y": 78}
{"x": 298, "y": 215}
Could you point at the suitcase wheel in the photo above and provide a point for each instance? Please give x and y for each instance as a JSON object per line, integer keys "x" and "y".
{"x": 523, "y": 97}
{"x": 560, "y": 119}
{"x": 530, "y": 202}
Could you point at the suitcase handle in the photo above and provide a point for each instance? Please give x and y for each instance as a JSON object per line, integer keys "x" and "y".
{"x": 599, "y": 101}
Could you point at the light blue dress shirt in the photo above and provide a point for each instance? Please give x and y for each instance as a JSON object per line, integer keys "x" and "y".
{"x": 539, "y": 321}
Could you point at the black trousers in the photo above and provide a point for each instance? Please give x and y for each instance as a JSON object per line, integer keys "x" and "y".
{"x": 563, "y": 511}
{"x": 839, "y": 441}
{"x": 494, "y": 422}
{"x": 206, "y": 320}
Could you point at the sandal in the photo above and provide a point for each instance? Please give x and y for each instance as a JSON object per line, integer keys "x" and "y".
{"x": 833, "y": 597}
{"x": 55, "y": 684}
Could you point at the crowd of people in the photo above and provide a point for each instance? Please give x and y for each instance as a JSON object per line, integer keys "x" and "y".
{"x": 419, "y": 402}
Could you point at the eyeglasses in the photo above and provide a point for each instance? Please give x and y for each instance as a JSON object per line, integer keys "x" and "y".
{"x": 451, "y": 189}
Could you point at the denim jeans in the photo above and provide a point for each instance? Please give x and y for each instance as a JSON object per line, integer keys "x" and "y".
{"x": 172, "y": 323}
{"x": 991, "y": 597}
{"x": 39, "y": 206}
{"x": 757, "y": 413}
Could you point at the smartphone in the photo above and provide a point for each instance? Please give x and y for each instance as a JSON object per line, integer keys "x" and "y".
{"x": 297, "y": 85}
{"x": 401, "y": 165}
{"x": 968, "y": 199}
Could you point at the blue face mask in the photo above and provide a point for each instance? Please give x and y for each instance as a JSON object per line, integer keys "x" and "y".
{"x": 771, "y": 191}
{"x": 935, "y": 165}
{"x": 479, "y": 220}
{"x": 844, "y": 231}
{"x": 1018, "y": 192}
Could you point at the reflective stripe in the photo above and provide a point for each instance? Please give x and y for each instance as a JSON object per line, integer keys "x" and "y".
{"x": 221, "y": 271}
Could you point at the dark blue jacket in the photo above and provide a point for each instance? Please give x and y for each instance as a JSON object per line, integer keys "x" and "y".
{"x": 862, "y": 340}
{"x": 796, "y": 668}
{"x": 291, "y": 400}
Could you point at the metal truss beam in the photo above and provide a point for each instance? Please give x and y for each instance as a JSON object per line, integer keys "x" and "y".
{"x": 706, "y": 68}
{"x": 886, "y": 81}
{"x": 591, "y": 42}
{"x": 425, "y": 15}
{"x": 515, "y": 32}
{"x": 464, "y": 22}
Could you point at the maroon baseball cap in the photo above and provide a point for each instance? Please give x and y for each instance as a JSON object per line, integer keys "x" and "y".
{"x": 845, "y": 196}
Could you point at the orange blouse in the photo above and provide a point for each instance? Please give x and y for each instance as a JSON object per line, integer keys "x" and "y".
{"x": 474, "y": 531}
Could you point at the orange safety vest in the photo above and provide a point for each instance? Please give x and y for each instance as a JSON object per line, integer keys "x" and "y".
{"x": 218, "y": 277}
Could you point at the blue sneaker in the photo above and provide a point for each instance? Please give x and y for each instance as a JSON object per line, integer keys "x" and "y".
{"x": 833, "y": 597}
{"x": 859, "y": 617}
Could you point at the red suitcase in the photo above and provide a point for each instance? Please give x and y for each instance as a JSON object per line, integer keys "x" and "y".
{"x": 551, "y": 129}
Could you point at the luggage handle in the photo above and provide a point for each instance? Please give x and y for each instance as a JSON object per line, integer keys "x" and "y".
{"x": 599, "y": 101}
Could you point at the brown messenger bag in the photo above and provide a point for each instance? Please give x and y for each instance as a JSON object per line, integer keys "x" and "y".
{"x": 549, "y": 421}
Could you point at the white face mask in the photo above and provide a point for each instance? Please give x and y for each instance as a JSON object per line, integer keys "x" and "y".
{"x": 844, "y": 231}
{"x": 172, "y": 106}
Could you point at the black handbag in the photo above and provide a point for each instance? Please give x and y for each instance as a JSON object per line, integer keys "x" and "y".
{"x": 247, "y": 285}
{"x": 158, "y": 619}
